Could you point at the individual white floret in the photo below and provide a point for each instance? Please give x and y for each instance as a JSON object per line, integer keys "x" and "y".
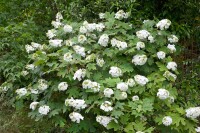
{"x": 173, "y": 39}
{"x": 79, "y": 74}
{"x": 21, "y": 92}
{"x": 33, "y": 105}
{"x": 82, "y": 38}
{"x": 68, "y": 57}
{"x": 29, "y": 48}
{"x": 171, "y": 47}
{"x": 100, "y": 62}
{"x": 135, "y": 98}
{"x": 56, "y": 24}
{"x": 169, "y": 75}
{"x": 51, "y": 33}
{"x": 103, "y": 40}
{"x": 104, "y": 120}
{"x": 131, "y": 82}
{"x": 140, "y": 45}
{"x": 83, "y": 30}
{"x": 68, "y": 28}
{"x": 59, "y": 17}
{"x": 101, "y": 15}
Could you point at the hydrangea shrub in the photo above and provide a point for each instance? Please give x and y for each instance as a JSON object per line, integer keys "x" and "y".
{"x": 107, "y": 76}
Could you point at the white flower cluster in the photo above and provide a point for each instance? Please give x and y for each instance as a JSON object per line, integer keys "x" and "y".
{"x": 115, "y": 71}
{"x": 76, "y": 103}
{"x": 101, "y": 15}
{"x": 56, "y": 24}
{"x": 173, "y": 39}
{"x": 82, "y": 38}
{"x": 193, "y": 112}
{"x": 68, "y": 28}
{"x": 44, "y": 110}
{"x": 122, "y": 86}
{"x": 163, "y": 24}
{"x": 108, "y": 92}
{"x": 119, "y": 44}
{"x": 59, "y": 17}
{"x": 55, "y": 43}
{"x": 30, "y": 67}
{"x": 79, "y": 74}
{"x": 33, "y": 105}
{"x": 130, "y": 82}
{"x": 68, "y": 57}
{"x": 172, "y": 66}
{"x": 69, "y": 42}
{"x": 21, "y": 92}
{"x": 123, "y": 95}
{"x": 141, "y": 80}
{"x": 171, "y": 47}
{"x": 88, "y": 84}
{"x": 42, "y": 84}
{"x": 34, "y": 46}
{"x": 161, "y": 55}
{"x": 169, "y": 75}
{"x": 51, "y": 33}
{"x": 100, "y": 62}
{"x": 139, "y": 59}
{"x": 121, "y": 14}
{"x": 76, "y": 117}
{"x": 197, "y": 129}
{"x": 62, "y": 86}
{"x": 24, "y": 73}
{"x": 90, "y": 27}
{"x": 167, "y": 120}
{"x": 34, "y": 91}
{"x": 163, "y": 94}
{"x": 103, "y": 40}
{"x": 79, "y": 50}
{"x": 106, "y": 106}
{"x": 140, "y": 45}
{"x": 135, "y": 98}
{"x": 104, "y": 120}
{"x": 142, "y": 34}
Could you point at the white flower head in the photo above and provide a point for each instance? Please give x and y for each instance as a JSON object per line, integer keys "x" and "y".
{"x": 142, "y": 34}
{"x": 131, "y": 82}
{"x": 139, "y": 59}
{"x": 140, "y": 45}
{"x": 141, "y": 80}
{"x": 135, "y": 98}
{"x": 76, "y": 103}
{"x": 104, "y": 120}
{"x": 79, "y": 50}
{"x": 171, "y": 47}
{"x": 51, "y": 33}
{"x": 59, "y": 17}
{"x": 197, "y": 129}
{"x": 100, "y": 27}
{"x": 62, "y": 86}
{"x": 44, "y": 109}
{"x": 55, "y": 43}
{"x": 68, "y": 57}
{"x": 69, "y": 42}
{"x": 76, "y": 117}
{"x": 24, "y": 73}
{"x": 115, "y": 71}
{"x": 172, "y": 66}
{"x": 168, "y": 75}
{"x": 163, "y": 93}
{"x": 82, "y": 38}
{"x": 83, "y": 30}
{"x": 121, "y": 14}
{"x": 36, "y": 45}
{"x": 42, "y": 84}
{"x": 167, "y": 120}
{"x": 122, "y": 86}
{"x": 100, "y": 62}
{"x": 163, "y": 24}
{"x": 193, "y": 112}
{"x": 108, "y": 92}
{"x": 151, "y": 39}
{"x": 161, "y": 55}
{"x": 34, "y": 91}
{"x": 68, "y": 28}
{"x": 106, "y": 106}
{"x": 173, "y": 39}
{"x": 101, "y": 15}
{"x": 103, "y": 40}
{"x": 123, "y": 95}
{"x": 21, "y": 92}
{"x": 56, "y": 24}
{"x": 79, "y": 74}
{"x": 33, "y": 105}
{"x": 29, "y": 48}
